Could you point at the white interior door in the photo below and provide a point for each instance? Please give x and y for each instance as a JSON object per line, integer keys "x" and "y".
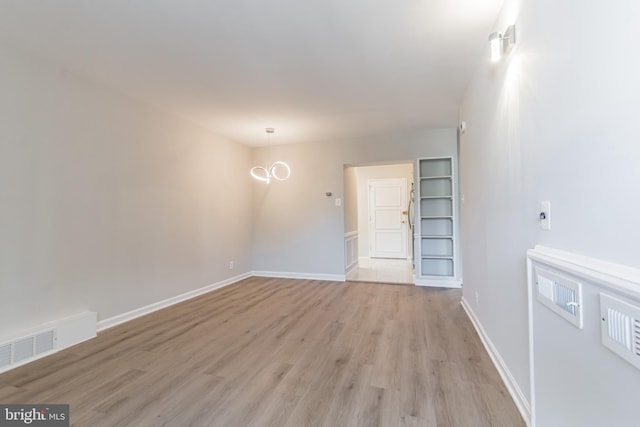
{"x": 388, "y": 218}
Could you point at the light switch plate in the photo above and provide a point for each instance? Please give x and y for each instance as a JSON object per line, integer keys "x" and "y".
{"x": 545, "y": 215}
{"x": 338, "y": 202}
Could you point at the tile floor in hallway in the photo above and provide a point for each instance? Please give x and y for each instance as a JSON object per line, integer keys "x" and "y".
{"x": 382, "y": 270}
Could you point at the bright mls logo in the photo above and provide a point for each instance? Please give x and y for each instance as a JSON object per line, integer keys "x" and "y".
{"x": 34, "y": 415}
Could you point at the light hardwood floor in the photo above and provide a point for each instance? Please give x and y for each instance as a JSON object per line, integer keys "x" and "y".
{"x": 278, "y": 352}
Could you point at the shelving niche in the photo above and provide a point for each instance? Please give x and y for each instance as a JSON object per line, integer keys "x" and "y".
{"x": 436, "y": 246}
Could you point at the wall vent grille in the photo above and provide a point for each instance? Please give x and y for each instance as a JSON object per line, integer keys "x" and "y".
{"x": 5, "y": 355}
{"x": 566, "y": 298}
{"x": 45, "y": 342}
{"x": 26, "y": 348}
{"x": 636, "y": 336}
{"x": 560, "y": 294}
{"x": 45, "y": 339}
{"x": 23, "y": 349}
{"x": 620, "y": 328}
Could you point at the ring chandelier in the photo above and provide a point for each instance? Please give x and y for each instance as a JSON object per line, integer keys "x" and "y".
{"x": 276, "y": 170}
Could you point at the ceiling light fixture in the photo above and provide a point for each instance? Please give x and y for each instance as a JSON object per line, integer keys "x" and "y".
{"x": 276, "y": 170}
{"x": 501, "y": 44}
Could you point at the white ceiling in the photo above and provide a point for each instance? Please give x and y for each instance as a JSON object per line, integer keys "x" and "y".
{"x": 313, "y": 69}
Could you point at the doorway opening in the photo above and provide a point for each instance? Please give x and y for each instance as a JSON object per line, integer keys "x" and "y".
{"x": 378, "y": 222}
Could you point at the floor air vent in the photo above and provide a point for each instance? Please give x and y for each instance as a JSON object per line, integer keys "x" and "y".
{"x": 620, "y": 328}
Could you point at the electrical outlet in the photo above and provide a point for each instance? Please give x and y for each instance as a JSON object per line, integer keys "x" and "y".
{"x": 230, "y": 265}
{"x": 477, "y": 300}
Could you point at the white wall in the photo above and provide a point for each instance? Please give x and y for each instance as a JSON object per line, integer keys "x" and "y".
{"x": 294, "y": 222}
{"x": 553, "y": 121}
{"x": 366, "y": 173}
{"x": 107, "y": 204}
{"x": 297, "y": 229}
{"x": 350, "y": 199}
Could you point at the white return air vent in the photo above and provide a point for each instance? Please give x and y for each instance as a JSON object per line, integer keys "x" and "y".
{"x": 28, "y": 347}
{"x": 561, "y": 294}
{"x": 46, "y": 339}
{"x": 620, "y": 328}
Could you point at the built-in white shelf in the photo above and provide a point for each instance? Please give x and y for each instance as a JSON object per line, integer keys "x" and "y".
{"x": 436, "y": 240}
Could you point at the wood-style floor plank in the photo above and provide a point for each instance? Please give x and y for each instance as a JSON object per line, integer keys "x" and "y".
{"x": 280, "y": 352}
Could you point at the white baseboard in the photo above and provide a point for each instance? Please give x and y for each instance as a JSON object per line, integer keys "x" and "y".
{"x": 76, "y": 329}
{"x": 351, "y": 267}
{"x": 509, "y": 381}
{"x": 133, "y": 314}
{"x": 308, "y": 276}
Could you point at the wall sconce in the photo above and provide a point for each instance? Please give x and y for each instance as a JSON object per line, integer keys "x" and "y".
{"x": 501, "y": 44}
